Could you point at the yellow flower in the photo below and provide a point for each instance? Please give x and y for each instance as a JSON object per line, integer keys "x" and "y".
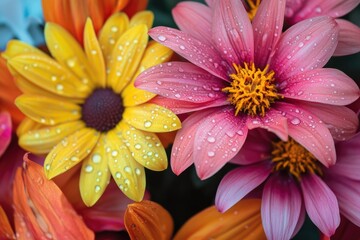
{"x": 82, "y": 105}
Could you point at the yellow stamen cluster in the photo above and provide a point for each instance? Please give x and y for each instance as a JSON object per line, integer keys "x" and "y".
{"x": 253, "y": 7}
{"x": 293, "y": 158}
{"x": 252, "y": 90}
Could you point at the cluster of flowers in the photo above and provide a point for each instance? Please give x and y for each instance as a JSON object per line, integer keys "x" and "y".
{"x": 240, "y": 83}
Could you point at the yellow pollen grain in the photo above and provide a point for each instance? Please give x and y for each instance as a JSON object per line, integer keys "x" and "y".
{"x": 253, "y": 7}
{"x": 294, "y": 159}
{"x": 252, "y": 90}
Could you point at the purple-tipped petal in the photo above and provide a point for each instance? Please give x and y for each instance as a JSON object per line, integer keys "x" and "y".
{"x": 280, "y": 208}
{"x": 199, "y": 53}
{"x": 179, "y": 107}
{"x": 349, "y": 36}
{"x": 5, "y": 131}
{"x": 186, "y": 14}
{"x": 324, "y": 85}
{"x": 348, "y": 194}
{"x": 238, "y": 183}
{"x": 267, "y": 29}
{"x": 232, "y": 31}
{"x": 341, "y": 121}
{"x": 308, "y": 130}
{"x": 273, "y": 121}
{"x": 321, "y": 204}
{"x": 182, "y": 150}
{"x": 182, "y": 81}
{"x": 218, "y": 139}
{"x": 301, "y": 220}
{"x": 305, "y": 46}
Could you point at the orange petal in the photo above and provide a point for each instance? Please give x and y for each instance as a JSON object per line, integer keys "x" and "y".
{"x": 242, "y": 221}
{"x": 135, "y": 6}
{"x": 148, "y": 220}
{"x": 6, "y": 231}
{"x": 41, "y": 209}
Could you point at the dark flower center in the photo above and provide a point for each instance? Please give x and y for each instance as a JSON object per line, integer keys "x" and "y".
{"x": 102, "y": 110}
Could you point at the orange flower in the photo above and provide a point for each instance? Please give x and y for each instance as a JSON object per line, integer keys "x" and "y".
{"x": 41, "y": 210}
{"x": 148, "y": 220}
{"x": 72, "y": 14}
{"x": 8, "y": 96}
{"x": 242, "y": 221}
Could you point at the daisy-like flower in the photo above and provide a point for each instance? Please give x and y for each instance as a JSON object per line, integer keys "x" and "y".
{"x": 294, "y": 182}
{"x": 72, "y": 15}
{"x": 349, "y": 34}
{"x": 82, "y": 105}
{"x": 245, "y": 75}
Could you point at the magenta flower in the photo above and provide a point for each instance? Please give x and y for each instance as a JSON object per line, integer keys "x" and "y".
{"x": 245, "y": 75}
{"x": 5, "y": 131}
{"x": 294, "y": 182}
{"x": 349, "y": 35}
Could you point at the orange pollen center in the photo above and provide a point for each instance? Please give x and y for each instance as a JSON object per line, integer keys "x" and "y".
{"x": 293, "y": 158}
{"x": 253, "y": 6}
{"x": 252, "y": 90}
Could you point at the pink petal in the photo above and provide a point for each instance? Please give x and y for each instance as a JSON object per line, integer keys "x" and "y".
{"x": 198, "y": 52}
{"x": 348, "y": 194}
{"x": 349, "y": 36}
{"x": 182, "y": 81}
{"x": 321, "y": 204}
{"x": 348, "y": 164}
{"x": 267, "y": 29}
{"x": 210, "y": 3}
{"x": 182, "y": 150}
{"x": 238, "y": 183}
{"x": 301, "y": 220}
{"x": 308, "y": 130}
{"x": 218, "y": 139}
{"x": 186, "y": 14}
{"x": 179, "y": 107}
{"x": 232, "y": 31}
{"x": 273, "y": 121}
{"x": 280, "y": 208}
{"x": 305, "y": 46}
{"x": 5, "y": 131}
{"x": 341, "y": 121}
{"x": 324, "y": 85}
{"x": 256, "y": 148}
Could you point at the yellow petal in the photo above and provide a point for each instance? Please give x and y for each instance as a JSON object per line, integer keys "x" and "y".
{"x": 27, "y": 124}
{"x": 128, "y": 174}
{"x": 42, "y": 140}
{"x": 95, "y": 175}
{"x": 48, "y": 74}
{"x": 151, "y": 117}
{"x": 154, "y": 54}
{"x": 16, "y": 47}
{"x": 126, "y": 57}
{"x": 48, "y": 111}
{"x": 143, "y": 17}
{"x": 148, "y": 220}
{"x": 114, "y": 27}
{"x": 242, "y": 221}
{"x": 70, "y": 151}
{"x": 145, "y": 147}
{"x": 94, "y": 54}
{"x": 66, "y": 50}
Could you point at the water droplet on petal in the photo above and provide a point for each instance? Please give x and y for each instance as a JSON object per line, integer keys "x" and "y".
{"x": 211, "y": 139}
{"x": 96, "y": 158}
{"x": 97, "y": 188}
{"x": 295, "y": 121}
{"x": 89, "y": 168}
{"x": 211, "y": 154}
{"x": 161, "y": 38}
{"x": 127, "y": 169}
{"x": 147, "y": 124}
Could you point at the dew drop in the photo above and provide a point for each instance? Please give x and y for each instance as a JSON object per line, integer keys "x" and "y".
{"x": 137, "y": 146}
{"x": 96, "y": 158}
{"x": 47, "y": 167}
{"x": 127, "y": 169}
{"x": 114, "y": 153}
{"x": 89, "y": 168}
{"x": 97, "y": 188}
{"x": 182, "y": 47}
{"x": 211, "y": 154}
{"x": 211, "y": 139}
{"x": 147, "y": 124}
{"x": 295, "y": 121}
{"x": 161, "y": 38}
{"x": 137, "y": 171}
{"x": 117, "y": 175}
{"x": 59, "y": 87}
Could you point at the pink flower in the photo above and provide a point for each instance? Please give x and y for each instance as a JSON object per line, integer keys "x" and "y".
{"x": 5, "y": 131}
{"x": 293, "y": 182}
{"x": 349, "y": 35}
{"x": 245, "y": 75}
